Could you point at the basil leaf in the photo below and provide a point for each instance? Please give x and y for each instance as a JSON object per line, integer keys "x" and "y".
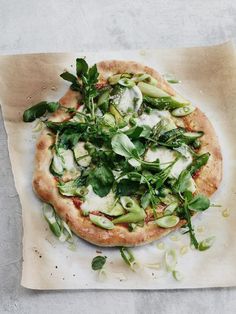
{"x": 127, "y": 187}
{"x": 101, "y": 180}
{"x": 98, "y": 262}
{"x": 68, "y": 77}
{"x": 81, "y": 67}
{"x": 199, "y": 203}
{"x": 35, "y": 112}
{"x": 39, "y": 110}
{"x": 123, "y": 146}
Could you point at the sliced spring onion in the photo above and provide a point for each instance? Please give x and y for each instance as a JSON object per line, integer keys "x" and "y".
{"x": 177, "y": 275}
{"x": 206, "y": 244}
{"x": 167, "y": 221}
{"x": 102, "y": 222}
{"x": 58, "y": 227}
{"x": 128, "y": 203}
{"x": 153, "y": 266}
{"x": 143, "y": 77}
{"x": 151, "y": 91}
{"x": 184, "y": 111}
{"x": 161, "y": 246}
{"x": 129, "y": 258}
{"x": 170, "y": 260}
{"x": 170, "y": 208}
{"x": 126, "y": 82}
{"x": 112, "y": 80}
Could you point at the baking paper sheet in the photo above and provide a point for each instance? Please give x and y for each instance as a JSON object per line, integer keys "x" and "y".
{"x": 208, "y": 78}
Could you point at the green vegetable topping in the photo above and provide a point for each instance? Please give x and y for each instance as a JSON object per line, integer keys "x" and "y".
{"x": 167, "y": 221}
{"x": 39, "y": 110}
{"x": 128, "y": 258}
{"x": 101, "y": 221}
{"x": 98, "y": 262}
{"x": 124, "y": 149}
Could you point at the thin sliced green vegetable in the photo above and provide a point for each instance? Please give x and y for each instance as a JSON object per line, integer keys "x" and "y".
{"x": 170, "y": 208}
{"x": 184, "y": 111}
{"x": 177, "y": 275}
{"x": 151, "y": 91}
{"x": 126, "y": 82}
{"x": 167, "y": 221}
{"x": 170, "y": 260}
{"x": 102, "y": 222}
{"x": 206, "y": 244}
{"x": 128, "y": 258}
{"x": 112, "y": 80}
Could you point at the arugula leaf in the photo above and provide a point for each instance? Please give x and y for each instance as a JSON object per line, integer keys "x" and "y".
{"x": 182, "y": 182}
{"x": 98, "y": 262}
{"x": 198, "y": 162}
{"x": 101, "y": 179}
{"x": 126, "y": 187}
{"x": 39, "y": 110}
{"x": 69, "y": 138}
{"x": 199, "y": 203}
{"x": 123, "y": 146}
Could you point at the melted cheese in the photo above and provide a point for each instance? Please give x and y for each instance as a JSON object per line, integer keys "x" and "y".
{"x": 166, "y": 155}
{"x": 131, "y": 99}
{"x": 154, "y": 117}
{"x": 93, "y": 202}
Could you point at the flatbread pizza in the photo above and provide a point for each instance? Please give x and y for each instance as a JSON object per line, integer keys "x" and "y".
{"x": 124, "y": 159}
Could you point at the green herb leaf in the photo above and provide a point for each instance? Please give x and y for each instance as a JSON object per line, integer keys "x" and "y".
{"x": 101, "y": 179}
{"x": 128, "y": 257}
{"x": 35, "y": 112}
{"x": 69, "y": 77}
{"x": 53, "y": 106}
{"x": 81, "y": 66}
{"x": 182, "y": 183}
{"x": 126, "y": 187}
{"x": 123, "y": 146}
{"x": 98, "y": 262}
{"x": 199, "y": 203}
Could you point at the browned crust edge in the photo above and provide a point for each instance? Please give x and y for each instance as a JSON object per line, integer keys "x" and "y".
{"x": 45, "y": 184}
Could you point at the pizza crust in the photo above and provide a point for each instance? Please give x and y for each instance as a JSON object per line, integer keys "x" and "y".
{"x": 45, "y": 185}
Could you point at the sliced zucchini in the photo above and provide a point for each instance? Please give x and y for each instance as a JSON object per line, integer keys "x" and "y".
{"x": 81, "y": 154}
{"x": 56, "y": 167}
{"x": 180, "y": 99}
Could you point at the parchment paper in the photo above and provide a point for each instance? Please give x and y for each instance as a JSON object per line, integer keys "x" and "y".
{"x": 208, "y": 78}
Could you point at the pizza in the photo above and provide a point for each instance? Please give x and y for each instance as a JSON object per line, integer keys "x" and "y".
{"x": 124, "y": 159}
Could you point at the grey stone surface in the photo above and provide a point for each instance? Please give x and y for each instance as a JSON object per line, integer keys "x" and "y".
{"x": 70, "y": 25}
